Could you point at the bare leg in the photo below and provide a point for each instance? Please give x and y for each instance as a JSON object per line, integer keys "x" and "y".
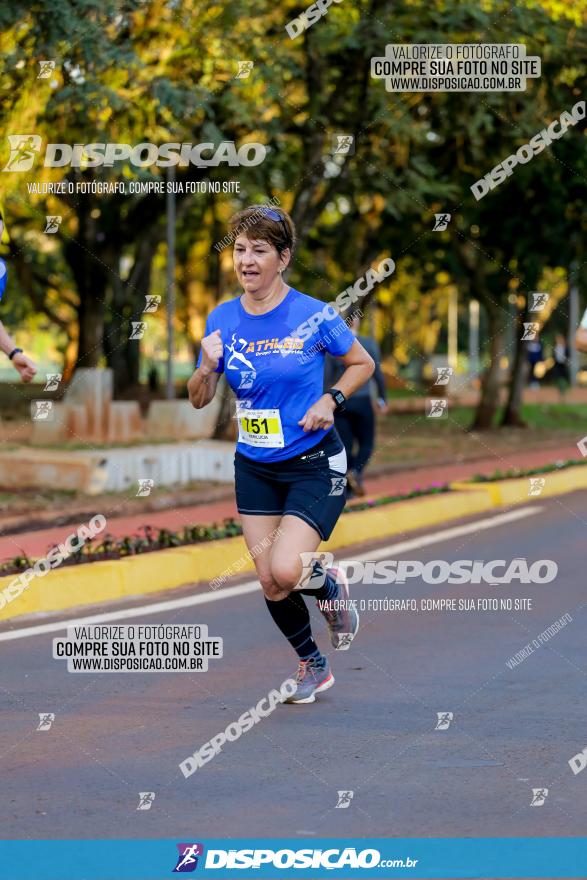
{"x": 296, "y": 537}
{"x": 256, "y": 529}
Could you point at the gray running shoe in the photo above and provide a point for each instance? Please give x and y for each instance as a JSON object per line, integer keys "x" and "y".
{"x": 343, "y": 623}
{"x": 313, "y": 677}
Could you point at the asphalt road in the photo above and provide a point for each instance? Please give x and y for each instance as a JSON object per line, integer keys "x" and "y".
{"x": 373, "y": 733}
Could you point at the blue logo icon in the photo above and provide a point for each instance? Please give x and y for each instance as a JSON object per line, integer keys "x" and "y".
{"x": 188, "y": 857}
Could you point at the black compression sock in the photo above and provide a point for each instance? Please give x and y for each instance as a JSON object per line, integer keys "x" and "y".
{"x": 328, "y": 591}
{"x": 293, "y": 619}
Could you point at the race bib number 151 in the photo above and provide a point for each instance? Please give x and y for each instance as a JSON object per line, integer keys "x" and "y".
{"x": 260, "y": 427}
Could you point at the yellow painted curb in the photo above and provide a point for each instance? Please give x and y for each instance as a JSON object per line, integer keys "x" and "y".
{"x": 93, "y": 583}
{"x": 506, "y": 492}
{"x": 491, "y": 489}
{"x": 406, "y": 516}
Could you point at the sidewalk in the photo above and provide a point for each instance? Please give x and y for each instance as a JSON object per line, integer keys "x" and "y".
{"x": 36, "y": 543}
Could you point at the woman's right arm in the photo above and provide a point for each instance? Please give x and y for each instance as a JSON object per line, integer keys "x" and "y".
{"x": 202, "y": 385}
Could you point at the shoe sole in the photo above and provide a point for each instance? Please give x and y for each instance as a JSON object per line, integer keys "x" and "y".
{"x": 344, "y": 584}
{"x": 312, "y": 698}
{"x": 356, "y": 487}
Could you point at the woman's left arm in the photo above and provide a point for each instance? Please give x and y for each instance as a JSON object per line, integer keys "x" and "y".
{"x": 360, "y": 366}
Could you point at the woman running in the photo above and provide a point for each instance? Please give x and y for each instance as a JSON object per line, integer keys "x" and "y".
{"x": 290, "y": 463}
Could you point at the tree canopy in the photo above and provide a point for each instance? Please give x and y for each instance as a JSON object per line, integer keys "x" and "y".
{"x": 161, "y": 71}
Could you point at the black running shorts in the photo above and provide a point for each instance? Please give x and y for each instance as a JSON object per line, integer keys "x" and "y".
{"x": 311, "y": 485}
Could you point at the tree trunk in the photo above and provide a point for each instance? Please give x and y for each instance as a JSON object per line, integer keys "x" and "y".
{"x": 91, "y": 322}
{"x": 128, "y": 301}
{"x": 512, "y": 415}
{"x": 139, "y": 285}
{"x": 116, "y": 323}
{"x": 489, "y": 401}
{"x": 89, "y": 272}
{"x": 91, "y": 284}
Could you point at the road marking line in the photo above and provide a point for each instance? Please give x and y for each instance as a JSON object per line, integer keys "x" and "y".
{"x": 454, "y": 532}
{"x": 252, "y": 586}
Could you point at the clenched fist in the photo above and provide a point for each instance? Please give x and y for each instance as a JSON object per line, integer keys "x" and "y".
{"x": 25, "y": 366}
{"x": 212, "y": 351}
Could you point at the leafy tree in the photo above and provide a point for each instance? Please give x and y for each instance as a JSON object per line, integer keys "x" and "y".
{"x": 166, "y": 70}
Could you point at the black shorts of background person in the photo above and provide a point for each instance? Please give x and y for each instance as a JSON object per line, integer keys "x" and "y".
{"x": 357, "y": 421}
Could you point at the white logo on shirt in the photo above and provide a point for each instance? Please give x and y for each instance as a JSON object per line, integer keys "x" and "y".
{"x": 238, "y": 355}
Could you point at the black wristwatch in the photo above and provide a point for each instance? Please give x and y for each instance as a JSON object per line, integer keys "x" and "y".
{"x": 13, "y": 352}
{"x": 339, "y": 399}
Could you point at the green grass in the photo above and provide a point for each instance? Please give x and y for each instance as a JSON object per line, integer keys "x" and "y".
{"x": 412, "y": 439}
{"x": 399, "y": 393}
{"x": 555, "y": 416}
{"x": 544, "y": 417}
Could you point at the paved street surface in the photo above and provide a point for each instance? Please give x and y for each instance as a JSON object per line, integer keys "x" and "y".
{"x": 373, "y": 733}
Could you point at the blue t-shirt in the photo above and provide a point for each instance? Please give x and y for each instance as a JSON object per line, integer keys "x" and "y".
{"x": 275, "y": 361}
{"x": 3, "y": 277}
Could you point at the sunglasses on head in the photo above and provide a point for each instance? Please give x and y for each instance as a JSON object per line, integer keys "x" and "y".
{"x": 277, "y": 218}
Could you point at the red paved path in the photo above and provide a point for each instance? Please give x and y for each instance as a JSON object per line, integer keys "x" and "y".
{"x": 36, "y": 543}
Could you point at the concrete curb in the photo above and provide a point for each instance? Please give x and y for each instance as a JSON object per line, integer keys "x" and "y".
{"x": 93, "y": 583}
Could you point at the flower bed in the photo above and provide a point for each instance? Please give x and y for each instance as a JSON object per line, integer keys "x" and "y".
{"x": 433, "y": 489}
{"x": 517, "y": 473}
{"x": 160, "y": 539}
{"x": 117, "y": 548}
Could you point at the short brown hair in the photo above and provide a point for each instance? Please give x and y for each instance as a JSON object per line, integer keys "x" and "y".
{"x": 257, "y": 222}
